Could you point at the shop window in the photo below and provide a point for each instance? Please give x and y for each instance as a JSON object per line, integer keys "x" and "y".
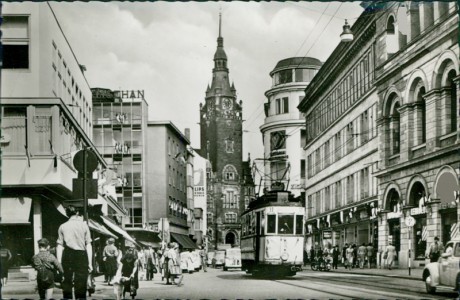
{"x": 285, "y": 224}
{"x": 271, "y": 223}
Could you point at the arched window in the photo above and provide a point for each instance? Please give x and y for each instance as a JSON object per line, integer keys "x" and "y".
{"x": 229, "y": 173}
{"x": 453, "y": 100}
{"x": 395, "y": 125}
{"x": 391, "y": 25}
{"x": 421, "y": 100}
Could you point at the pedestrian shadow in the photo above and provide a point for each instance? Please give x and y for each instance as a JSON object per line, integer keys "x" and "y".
{"x": 264, "y": 276}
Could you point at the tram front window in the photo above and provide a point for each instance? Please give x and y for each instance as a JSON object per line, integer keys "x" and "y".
{"x": 271, "y": 223}
{"x": 285, "y": 224}
{"x": 298, "y": 224}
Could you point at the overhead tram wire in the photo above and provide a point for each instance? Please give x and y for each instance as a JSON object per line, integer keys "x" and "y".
{"x": 311, "y": 31}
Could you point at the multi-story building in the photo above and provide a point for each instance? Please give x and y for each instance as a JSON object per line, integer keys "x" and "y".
{"x": 395, "y": 88}
{"x": 46, "y": 120}
{"x": 200, "y": 183}
{"x": 166, "y": 192}
{"x": 417, "y": 68}
{"x": 284, "y": 126}
{"x": 340, "y": 109}
{"x": 221, "y": 126}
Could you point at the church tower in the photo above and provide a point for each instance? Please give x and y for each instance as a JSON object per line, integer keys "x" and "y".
{"x": 222, "y": 144}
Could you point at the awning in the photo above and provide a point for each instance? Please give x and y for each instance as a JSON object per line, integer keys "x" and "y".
{"x": 117, "y": 229}
{"x": 149, "y": 244}
{"x": 183, "y": 240}
{"x": 147, "y": 238}
{"x": 15, "y": 210}
{"x": 96, "y": 226}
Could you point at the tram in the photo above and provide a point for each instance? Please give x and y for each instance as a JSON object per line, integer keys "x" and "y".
{"x": 272, "y": 237}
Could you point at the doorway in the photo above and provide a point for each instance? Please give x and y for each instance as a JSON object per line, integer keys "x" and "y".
{"x": 230, "y": 238}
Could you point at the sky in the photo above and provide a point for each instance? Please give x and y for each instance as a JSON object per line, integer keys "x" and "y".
{"x": 167, "y": 50}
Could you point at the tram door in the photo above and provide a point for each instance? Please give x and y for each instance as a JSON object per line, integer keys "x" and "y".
{"x": 257, "y": 237}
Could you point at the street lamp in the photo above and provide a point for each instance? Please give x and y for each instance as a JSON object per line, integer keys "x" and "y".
{"x": 347, "y": 35}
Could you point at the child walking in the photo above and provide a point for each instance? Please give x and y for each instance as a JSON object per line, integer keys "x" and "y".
{"x": 45, "y": 263}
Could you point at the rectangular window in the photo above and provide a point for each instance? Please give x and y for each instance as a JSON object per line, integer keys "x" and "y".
{"x": 318, "y": 202}
{"x": 285, "y": 76}
{"x": 271, "y": 223}
{"x": 350, "y": 189}
{"x": 285, "y": 105}
{"x": 229, "y": 146}
{"x": 14, "y": 133}
{"x": 364, "y": 183}
{"x": 299, "y": 224}
{"x": 338, "y": 194}
{"x": 302, "y": 168}
{"x": 327, "y": 198}
{"x": 364, "y": 127}
{"x": 327, "y": 154}
{"x": 278, "y": 106}
{"x": 309, "y": 167}
{"x": 285, "y": 224}
{"x": 303, "y": 138}
{"x": 338, "y": 146}
{"x": 15, "y": 41}
{"x": 43, "y": 130}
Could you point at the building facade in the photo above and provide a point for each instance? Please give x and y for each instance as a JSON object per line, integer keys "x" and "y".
{"x": 398, "y": 129}
{"x": 45, "y": 120}
{"x": 221, "y": 127}
{"x": 284, "y": 126}
{"x": 340, "y": 108}
{"x": 167, "y": 198}
{"x": 417, "y": 81}
{"x": 119, "y": 133}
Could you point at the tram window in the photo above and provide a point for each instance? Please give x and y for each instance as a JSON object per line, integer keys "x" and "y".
{"x": 271, "y": 223}
{"x": 285, "y": 224}
{"x": 298, "y": 224}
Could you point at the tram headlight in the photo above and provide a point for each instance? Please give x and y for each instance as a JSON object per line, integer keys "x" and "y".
{"x": 284, "y": 256}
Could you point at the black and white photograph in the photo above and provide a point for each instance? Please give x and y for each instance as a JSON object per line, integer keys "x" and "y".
{"x": 230, "y": 150}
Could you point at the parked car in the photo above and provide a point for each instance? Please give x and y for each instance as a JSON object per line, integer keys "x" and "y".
{"x": 210, "y": 258}
{"x": 446, "y": 271}
{"x": 232, "y": 259}
{"x": 219, "y": 258}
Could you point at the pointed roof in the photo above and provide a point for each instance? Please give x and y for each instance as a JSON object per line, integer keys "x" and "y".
{"x": 220, "y": 53}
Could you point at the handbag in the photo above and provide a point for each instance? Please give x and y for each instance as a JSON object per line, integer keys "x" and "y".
{"x": 154, "y": 269}
{"x": 385, "y": 255}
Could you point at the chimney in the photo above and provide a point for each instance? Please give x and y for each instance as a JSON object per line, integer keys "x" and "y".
{"x": 187, "y": 133}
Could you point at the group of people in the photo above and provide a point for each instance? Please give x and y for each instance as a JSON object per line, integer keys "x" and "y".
{"x": 353, "y": 256}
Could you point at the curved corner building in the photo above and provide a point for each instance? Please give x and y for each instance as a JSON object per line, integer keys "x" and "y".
{"x": 284, "y": 126}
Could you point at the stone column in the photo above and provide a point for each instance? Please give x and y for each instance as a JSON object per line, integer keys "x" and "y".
{"x": 383, "y": 128}
{"x": 433, "y": 118}
{"x": 406, "y": 130}
{"x": 433, "y": 220}
{"x": 457, "y": 83}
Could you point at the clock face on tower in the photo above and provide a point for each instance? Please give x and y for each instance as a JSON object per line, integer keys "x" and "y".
{"x": 227, "y": 103}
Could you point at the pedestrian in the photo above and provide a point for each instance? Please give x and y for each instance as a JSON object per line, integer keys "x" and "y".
{"x": 362, "y": 253}
{"x": 370, "y": 255}
{"x": 312, "y": 254}
{"x": 355, "y": 256}
{"x": 188, "y": 257}
{"x": 335, "y": 256}
{"x": 46, "y": 265}
{"x": 174, "y": 267}
{"x": 344, "y": 255}
{"x": 110, "y": 255}
{"x": 349, "y": 256}
{"x": 203, "y": 257}
{"x": 74, "y": 253}
{"x": 390, "y": 254}
{"x": 150, "y": 258}
{"x": 435, "y": 250}
{"x": 126, "y": 279}
{"x": 5, "y": 257}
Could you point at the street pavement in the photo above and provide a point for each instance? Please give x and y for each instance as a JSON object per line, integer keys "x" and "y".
{"x": 307, "y": 284}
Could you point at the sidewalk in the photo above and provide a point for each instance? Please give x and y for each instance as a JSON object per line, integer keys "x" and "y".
{"x": 416, "y": 274}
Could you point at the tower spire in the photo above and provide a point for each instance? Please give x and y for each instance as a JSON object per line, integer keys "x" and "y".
{"x": 220, "y": 22}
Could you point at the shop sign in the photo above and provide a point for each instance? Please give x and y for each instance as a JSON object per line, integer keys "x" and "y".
{"x": 418, "y": 210}
{"x": 327, "y": 234}
{"x": 394, "y": 215}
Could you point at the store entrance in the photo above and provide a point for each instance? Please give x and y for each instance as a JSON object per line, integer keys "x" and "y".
{"x": 448, "y": 218}
{"x": 395, "y": 234}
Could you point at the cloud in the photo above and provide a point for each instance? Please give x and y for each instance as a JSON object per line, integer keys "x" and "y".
{"x": 167, "y": 49}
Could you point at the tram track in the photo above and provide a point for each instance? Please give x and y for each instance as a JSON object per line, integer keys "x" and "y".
{"x": 347, "y": 291}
